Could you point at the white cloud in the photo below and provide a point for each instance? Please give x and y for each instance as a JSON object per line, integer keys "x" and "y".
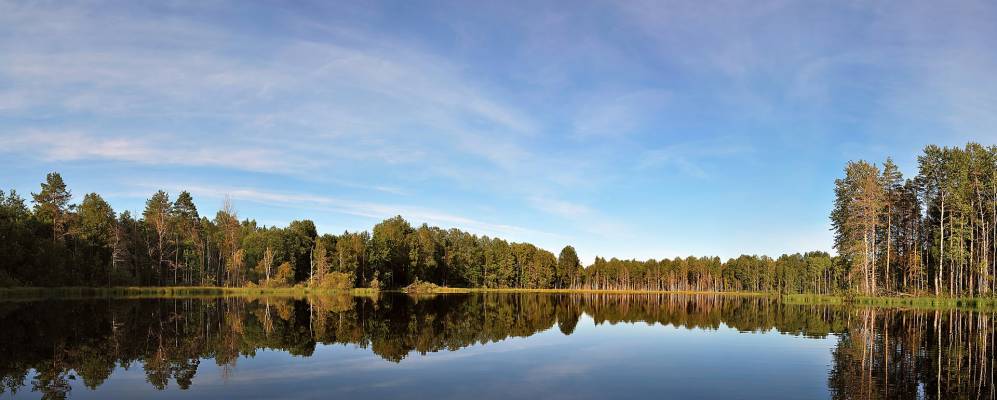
{"x": 560, "y": 207}
{"x": 376, "y": 100}
{"x": 366, "y": 209}
{"x": 55, "y": 146}
{"x": 617, "y": 114}
{"x": 692, "y": 158}
{"x": 171, "y": 90}
{"x": 339, "y": 102}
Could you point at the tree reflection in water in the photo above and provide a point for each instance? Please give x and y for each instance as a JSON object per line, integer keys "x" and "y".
{"x": 880, "y": 353}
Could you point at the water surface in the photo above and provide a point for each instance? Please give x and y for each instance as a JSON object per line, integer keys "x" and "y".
{"x": 489, "y": 346}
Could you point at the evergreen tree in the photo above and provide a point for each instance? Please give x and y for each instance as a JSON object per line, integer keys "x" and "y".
{"x": 568, "y": 267}
{"x": 52, "y": 205}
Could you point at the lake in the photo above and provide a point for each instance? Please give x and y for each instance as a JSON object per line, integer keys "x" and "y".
{"x": 489, "y": 345}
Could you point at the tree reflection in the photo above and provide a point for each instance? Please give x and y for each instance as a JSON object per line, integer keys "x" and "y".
{"x": 915, "y": 354}
{"x": 881, "y": 353}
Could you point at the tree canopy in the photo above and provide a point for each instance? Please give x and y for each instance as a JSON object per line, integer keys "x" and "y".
{"x": 933, "y": 233}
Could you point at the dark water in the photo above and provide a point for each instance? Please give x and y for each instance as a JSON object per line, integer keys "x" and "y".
{"x": 489, "y": 346}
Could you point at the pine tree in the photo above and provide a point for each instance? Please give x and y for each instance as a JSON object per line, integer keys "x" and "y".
{"x": 52, "y": 205}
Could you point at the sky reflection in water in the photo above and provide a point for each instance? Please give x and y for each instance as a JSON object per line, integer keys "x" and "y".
{"x": 479, "y": 346}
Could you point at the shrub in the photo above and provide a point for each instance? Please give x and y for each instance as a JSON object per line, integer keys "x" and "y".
{"x": 335, "y": 281}
{"x": 421, "y": 287}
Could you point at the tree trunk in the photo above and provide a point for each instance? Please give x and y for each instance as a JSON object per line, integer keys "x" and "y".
{"x": 941, "y": 248}
{"x": 889, "y": 235}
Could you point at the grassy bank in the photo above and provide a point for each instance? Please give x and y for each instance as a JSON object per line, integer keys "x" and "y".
{"x": 921, "y": 302}
{"x": 215, "y": 291}
{"x": 613, "y": 291}
{"x": 33, "y": 293}
{"x": 36, "y": 293}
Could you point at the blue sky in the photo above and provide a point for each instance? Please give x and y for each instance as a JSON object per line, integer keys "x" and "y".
{"x": 626, "y": 128}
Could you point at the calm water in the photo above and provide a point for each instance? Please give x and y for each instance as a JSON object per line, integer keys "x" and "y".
{"x": 489, "y": 346}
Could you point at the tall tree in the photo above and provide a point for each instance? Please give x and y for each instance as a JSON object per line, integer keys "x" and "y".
{"x": 933, "y": 177}
{"x": 424, "y": 255}
{"x": 157, "y": 216}
{"x": 299, "y": 241}
{"x": 52, "y": 204}
{"x": 892, "y": 182}
{"x": 17, "y": 242}
{"x": 265, "y": 265}
{"x": 390, "y": 250}
{"x": 187, "y": 224}
{"x": 97, "y": 229}
{"x": 320, "y": 260}
{"x": 229, "y": 238}
{"x": 857, "y": 208}
{"x": 568, "y": 267}
{"x": 352, "y": 251}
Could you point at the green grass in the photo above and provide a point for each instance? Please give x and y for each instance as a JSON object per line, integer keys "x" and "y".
{"x": 920, "y": 302}
{"x": 428, "y": 288}
{"x": 812, "y": 299}
{"x": 609, "y": 291}
{"x": 36, "y": 293}
{"x": 33, "y": 293}
{"x": 215, "y": 291}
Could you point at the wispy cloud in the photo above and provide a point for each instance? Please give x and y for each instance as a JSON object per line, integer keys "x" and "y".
{"x": 560, "y": 207}
{"x": 366, "y": 209}
{"x": 549, "y": 114}
{"x": 373, "y": 101}
{"x": 617, "y": 114}
{"x": 61, "y": 146}
{"x": 692, "y": 158}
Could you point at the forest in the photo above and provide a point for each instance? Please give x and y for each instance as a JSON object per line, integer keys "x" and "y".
{"x": 930, "y": 234}
{"x": 55, "y": 243}
{"x": 933, "y": 234}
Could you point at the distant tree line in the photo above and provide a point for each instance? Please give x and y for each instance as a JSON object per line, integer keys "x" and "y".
{"x": 813, "y": 272}
{"x": 56, "y": 243}
{"x": 933, "y": 233}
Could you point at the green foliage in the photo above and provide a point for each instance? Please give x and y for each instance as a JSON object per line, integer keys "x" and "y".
{"x": 421, "y": 287}
{"x": 284, "y": 276}
{"x": 389, "y": 253}
{"x": 96, "y": 233}
{"x": 935, "y": 233}
{"x": 931, "y": 234}
{"x": 52, "y": 205}
{"x": 569, "y": 268}
{"x": 334, "y": 281}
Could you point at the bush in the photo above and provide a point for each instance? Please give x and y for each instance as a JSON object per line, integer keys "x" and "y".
{"x": 284, "y": 276}
{"x": 335, "y": 281}
{"x": 421, "y": 287}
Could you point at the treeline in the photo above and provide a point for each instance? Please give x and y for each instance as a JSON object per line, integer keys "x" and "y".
{"x": 933, "y": 233}
{"x": 56, "y": 243}
{"x": 813, "y": 272}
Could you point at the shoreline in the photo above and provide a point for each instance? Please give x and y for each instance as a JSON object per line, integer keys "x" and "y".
{"x": 143, "y": 292}
{"x": 127, "y": 292}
